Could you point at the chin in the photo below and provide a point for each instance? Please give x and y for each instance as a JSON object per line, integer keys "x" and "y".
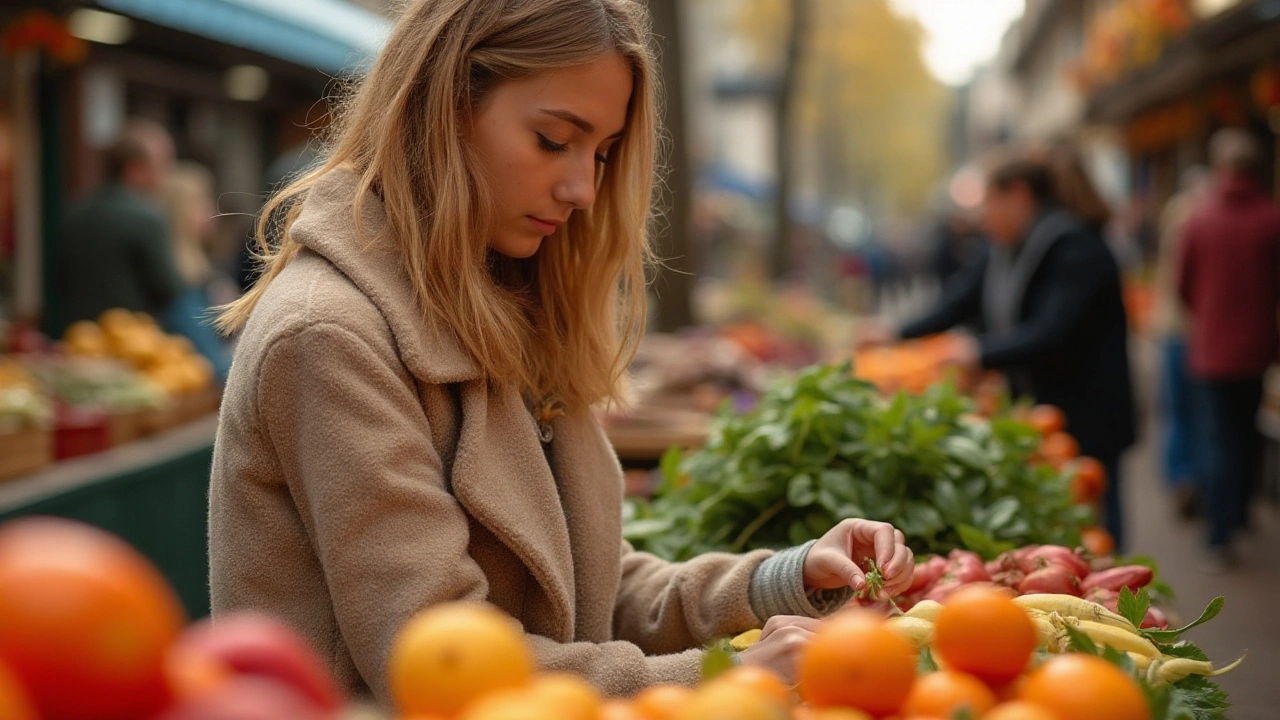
{"x": 519, "y": 248}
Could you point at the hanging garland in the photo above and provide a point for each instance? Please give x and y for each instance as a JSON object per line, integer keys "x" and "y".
{"x": 40, "y": 31}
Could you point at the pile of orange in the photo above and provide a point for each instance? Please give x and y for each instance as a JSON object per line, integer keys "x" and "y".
{"x": 913, "y": 365}
{"x": 984, "y": 644}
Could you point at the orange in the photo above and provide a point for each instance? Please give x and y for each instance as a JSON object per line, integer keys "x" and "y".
{"x": 946, "y": 692}
{"x": 85, "y": 620}
{"x": 1059, "y": 449}
{"x": 1084, "y": 687}
{"x": 621, "y": 710}
{"x": 1097, "y": 541}
{"x": 14, "y": 703}
{"x": 521, "y": 704}
{"x": 1019, "y": 710}
{"x": 760, "y": 680}
{"x": 1088, "y": 480}
{"x": 1047, "y": 420}
{"x": 727, "y": 701}
{"x": 828, "y": 713}
{"x": 980, "y": 630}
{"x": 855, "y": 660}
{"x": 571, "y": 696}
{"x": 662, "y": 702}
{"x": 450, "y": 655}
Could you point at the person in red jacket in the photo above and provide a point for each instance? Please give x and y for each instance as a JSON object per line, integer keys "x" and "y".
{"x": 1229, "y": 279}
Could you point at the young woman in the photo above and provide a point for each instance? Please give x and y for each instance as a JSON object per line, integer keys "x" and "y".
{"x": 407, "y": 420}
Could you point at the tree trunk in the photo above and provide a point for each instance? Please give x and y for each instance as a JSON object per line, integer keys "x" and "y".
{"x": 782, "y": 261}
{"x": 674, "y": 282}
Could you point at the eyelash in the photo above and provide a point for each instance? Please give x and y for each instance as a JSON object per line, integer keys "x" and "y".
{"x": 551, "y": 147}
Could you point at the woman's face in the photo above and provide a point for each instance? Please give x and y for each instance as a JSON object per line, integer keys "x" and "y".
{"x": 1006, "y": 213}
{"x": 541, "y": 143}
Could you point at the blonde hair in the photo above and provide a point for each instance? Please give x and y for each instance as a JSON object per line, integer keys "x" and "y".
{"x": 188, "y": 186}
{"x": 562, "y": 325}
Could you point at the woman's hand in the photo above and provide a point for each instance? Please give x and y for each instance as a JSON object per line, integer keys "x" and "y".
{"x": 838, "y": 559}
{"x": 780, "y": 643}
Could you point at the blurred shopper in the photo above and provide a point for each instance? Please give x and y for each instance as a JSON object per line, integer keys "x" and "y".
{"x": 114, "y": 249}
{"x": 1179, "y": 451}
{"x": 1047, "y": 297}
{"x": 1229, "y": 278}
{"x": 189, "y": 200}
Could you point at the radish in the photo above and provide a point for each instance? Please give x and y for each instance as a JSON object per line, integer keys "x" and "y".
{"x": 1126, "y": 576}
{"x": 1054, "y": 579}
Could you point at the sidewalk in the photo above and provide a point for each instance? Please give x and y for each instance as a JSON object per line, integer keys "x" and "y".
{"x": 1251, "y": 619}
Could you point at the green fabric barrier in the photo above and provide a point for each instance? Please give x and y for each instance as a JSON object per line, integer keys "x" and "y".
{"x": 161, "y": 509}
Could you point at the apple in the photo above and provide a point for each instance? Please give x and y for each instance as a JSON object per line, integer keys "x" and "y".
{"x": 247, "y": 697}
{"x": 213, "y": 653}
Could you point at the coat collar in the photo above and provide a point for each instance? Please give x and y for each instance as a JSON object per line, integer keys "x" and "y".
{"x": 327, "y": 226}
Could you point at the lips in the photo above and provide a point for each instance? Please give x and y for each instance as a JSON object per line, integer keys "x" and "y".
{"x": 546, "y": 227}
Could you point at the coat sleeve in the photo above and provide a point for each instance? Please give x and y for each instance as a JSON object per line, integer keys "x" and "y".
{"x": 961, "y": 301}
{"x": 372, "y": 493}
{"x": 1071, "y": 277}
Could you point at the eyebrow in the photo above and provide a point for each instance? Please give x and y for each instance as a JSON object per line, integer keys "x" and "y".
{"x": 577, "y": 121}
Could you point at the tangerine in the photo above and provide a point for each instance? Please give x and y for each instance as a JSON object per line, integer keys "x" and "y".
{"x": 85, "y": 620}
{"x": 518, "y": 704}
{"x": 571, "y": 696}
{"x": 1097, "y": 541}
{"x": 1085, "y": 687}
{"x": 982, "y": 631}
{"x": 662, "y": 702}
{"x": 1047, "y": 420}
{"x": 621, "y": 710}
{"x": 14, "y": 703}
{"x": 1019, "y": 710}
{"x": 1088, "y": 481}
{"x": 856, "y": 660}
{"x": 759, "y": 680}
{"x": 728, "y": 701}
{"x": 1059, "y": 449}
{"x": 946, "y": 692}
{"x": 450, "y": 655}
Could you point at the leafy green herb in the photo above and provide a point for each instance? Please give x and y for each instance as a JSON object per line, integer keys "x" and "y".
{"x": 822, "y": 446}
{"x": 1079, "y": 642}
{"x": 925, "y": 662}
{"x": 1134, "y": 607}
{"x": 716, "y": 659}
{"x": 1169, "y": 636}
{"x": 1197, "y": 698}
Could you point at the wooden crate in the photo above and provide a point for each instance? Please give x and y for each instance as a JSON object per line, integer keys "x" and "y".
{"x": 24, "y": 451}
{"x": 126, "y": 426}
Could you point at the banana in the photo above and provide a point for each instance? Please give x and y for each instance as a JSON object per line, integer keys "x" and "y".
{"x": 1111, "y": 637}
{"x": 925, "y": 610}
{"x": 745, "y": 640}
{"x": 1071, "y": 606}
{"x": 1175, "y": 669}
{"x": 919, "y": 632}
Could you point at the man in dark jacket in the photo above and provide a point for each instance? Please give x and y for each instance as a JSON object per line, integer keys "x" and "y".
{"x": 115, "y": 250}
{"x": 1047, "y": 297}
{"x": 1229, "y": 278}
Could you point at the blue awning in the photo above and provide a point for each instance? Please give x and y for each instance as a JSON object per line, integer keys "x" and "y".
{"x": 333, "y": 36}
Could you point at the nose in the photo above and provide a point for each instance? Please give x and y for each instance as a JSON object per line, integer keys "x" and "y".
{"x": 578, "y": 185}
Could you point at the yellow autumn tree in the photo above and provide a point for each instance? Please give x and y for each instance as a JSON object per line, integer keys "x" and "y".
{"x": 865, "y": 98}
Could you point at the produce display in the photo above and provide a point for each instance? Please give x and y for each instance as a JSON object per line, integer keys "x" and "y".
{"x": 913, "y": 365}
{"x": 168, "y": 361}
{"x": 23, "y": 405}
{"x": 824, "y": 445}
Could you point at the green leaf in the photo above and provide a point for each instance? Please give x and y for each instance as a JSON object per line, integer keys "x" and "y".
{"x": 800, "y": 491}
{"x": 1002, "y": 513}
{"x": 1134, "y": 609}
{"x": 981, "y": 543}
{"x": 644, "y": 529}
{"x": 1120, "y": 660}
{"x": 1184, "y": 650}
{"x": 1079, "y": 642}
{"x": 716, "y": 659}
{"x": 1168, "y": 636}
{"x": 925, "y": 662}
{"x": 1197, "y": 698}
{"x": 965, "y": 451}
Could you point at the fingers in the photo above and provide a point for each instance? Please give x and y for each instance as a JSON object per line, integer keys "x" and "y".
{"x": 781, "y": 622}
{"x": 901, "y": 569}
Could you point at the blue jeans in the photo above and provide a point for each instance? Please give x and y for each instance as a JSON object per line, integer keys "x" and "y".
{"x": 1231, "y": 446}
{"x": 1178, "y": 404}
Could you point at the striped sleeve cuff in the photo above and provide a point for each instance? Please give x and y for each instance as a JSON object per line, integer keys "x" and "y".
{"x": 777, "y": 588}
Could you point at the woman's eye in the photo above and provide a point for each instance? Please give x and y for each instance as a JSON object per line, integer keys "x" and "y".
{"x": 550, "y": 146}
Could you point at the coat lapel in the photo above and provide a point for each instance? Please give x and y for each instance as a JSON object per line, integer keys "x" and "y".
{"x": 499, "y": 472}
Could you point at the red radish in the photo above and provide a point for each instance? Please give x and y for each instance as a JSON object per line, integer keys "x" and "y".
{"x": 1053, "y": 579}
{"x": 1046, "y": 555}
{"x": 1009, "y": 578}
{"x": 967, "y": 567}
{"x": 927, "y": 573}
{"x": 943, "y": 590}
{"x": 1155, "y": 619}
{"x": 1126, "y": 576}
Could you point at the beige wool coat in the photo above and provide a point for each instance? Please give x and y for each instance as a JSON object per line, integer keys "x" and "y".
{"x": 364, "y": 470}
